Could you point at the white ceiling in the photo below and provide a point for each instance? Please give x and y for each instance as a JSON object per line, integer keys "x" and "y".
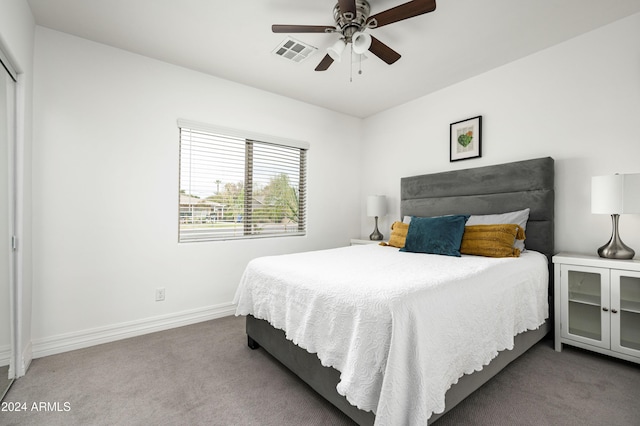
{"x": 233, "y": 40}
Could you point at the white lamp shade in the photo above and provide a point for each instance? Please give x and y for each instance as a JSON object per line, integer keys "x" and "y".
{"x": 376, "y": 205}
{"x": 336, "y": 50}
{"x": 615, "y": 194}
{"x": 360, "y": 42}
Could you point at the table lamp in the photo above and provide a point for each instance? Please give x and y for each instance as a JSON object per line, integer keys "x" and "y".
{"x": 376, "y": 206}
{"x": 615, "y": 195}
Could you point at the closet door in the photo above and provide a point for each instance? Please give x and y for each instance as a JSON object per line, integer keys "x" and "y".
{"x": 7, "y": 120}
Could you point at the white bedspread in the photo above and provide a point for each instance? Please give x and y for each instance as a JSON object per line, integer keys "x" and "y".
{"x": 400, "y": 327}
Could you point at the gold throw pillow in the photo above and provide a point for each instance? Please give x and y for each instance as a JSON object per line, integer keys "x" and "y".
{"x": 491, "y": 240}
{"x": 398, "y": 235}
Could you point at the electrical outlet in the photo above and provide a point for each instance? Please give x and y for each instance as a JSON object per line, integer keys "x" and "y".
{"x": 159, "y": 294}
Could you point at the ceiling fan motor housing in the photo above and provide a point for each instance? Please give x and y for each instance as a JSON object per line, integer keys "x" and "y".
{"x": 349, "y": 24}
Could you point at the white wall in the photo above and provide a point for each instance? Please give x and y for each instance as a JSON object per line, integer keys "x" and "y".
{"x": 17, "y": 40}
{"x": 106, "y": 188}
{"x": 578, "y": 102}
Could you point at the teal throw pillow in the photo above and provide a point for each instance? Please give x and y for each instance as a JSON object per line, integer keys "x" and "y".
{"x": 436, "y": 235}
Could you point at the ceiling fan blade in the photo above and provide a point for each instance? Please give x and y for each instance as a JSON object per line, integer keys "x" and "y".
{"x": 348, "y": 6}
{"x": 302, "y": 29}
{"x": 325, "y": 63}
{"x": 383, "y": 51}
{"x": 404, "y": 11}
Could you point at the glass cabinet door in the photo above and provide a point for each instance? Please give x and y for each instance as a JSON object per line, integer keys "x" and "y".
{"x": 585, "y": 299}
{"x": 625, "y": 312}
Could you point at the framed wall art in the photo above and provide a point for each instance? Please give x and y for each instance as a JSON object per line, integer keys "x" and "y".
{"x": 465, "y": 139}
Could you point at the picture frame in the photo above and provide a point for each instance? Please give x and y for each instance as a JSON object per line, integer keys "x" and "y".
{"x": 465, "y": 139}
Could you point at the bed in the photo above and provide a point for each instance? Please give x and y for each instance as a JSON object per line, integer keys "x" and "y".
{"x": 390, "y": 386}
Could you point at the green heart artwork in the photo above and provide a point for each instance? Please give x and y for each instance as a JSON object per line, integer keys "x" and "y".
{"x": 465, "y": 139}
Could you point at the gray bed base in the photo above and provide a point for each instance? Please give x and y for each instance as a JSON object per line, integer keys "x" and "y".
{"x": 325, "y": 379}
{"x": 483, "y": 190}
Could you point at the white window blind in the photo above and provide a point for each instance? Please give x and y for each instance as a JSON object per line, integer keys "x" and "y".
{"x": 233, "y": 187}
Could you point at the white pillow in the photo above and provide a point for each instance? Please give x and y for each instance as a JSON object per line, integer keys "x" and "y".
{"x": 519, "y": 217}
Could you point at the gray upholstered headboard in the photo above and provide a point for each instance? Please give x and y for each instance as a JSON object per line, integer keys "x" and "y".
{"x": 486, "y": 190}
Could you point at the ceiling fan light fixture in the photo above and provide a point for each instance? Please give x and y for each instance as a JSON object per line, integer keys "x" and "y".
{"x": 336, "y": 50}
{"x": 361, "y": 42}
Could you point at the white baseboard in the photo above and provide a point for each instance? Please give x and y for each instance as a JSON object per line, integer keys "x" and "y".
{"x": 25, "y": 360}
{"x": 83, "y": 339}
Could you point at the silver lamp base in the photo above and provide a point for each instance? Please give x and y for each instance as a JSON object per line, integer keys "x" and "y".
{"x": 615, "y": 248}
{"x": 376, "y": 235}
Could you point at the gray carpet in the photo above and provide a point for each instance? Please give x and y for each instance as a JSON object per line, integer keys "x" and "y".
{"x": 204, "y": 374}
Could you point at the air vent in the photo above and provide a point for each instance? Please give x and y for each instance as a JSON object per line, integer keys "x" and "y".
{"x": 294, "y": 50}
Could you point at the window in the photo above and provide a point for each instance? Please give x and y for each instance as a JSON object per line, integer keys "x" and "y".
{"x": 238, "y": 185}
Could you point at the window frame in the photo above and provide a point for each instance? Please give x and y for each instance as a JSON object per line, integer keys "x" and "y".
{"x": 250, "y": 138}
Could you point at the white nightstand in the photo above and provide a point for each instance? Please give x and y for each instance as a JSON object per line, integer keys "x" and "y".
{"x": 356, "y": 241}
{"x": 597, "y": 304}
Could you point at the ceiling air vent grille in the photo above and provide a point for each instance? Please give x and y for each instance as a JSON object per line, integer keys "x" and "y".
{"x": 294, "y": 50}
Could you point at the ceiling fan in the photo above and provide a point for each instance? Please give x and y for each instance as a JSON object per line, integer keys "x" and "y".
{"x": 351, "y": 20}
